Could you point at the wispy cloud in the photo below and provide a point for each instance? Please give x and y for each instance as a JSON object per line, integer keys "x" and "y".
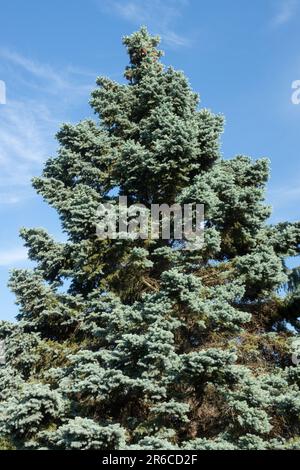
{"x": 286, "y": 10}
{"x": 25, "y": 142}
{"x": 39, "y": 98}
{"x": 174, "y": 39}
{"x": 49, "y": 79}
{"x": 7, "y": 198}
{"x": 285, "y": 195}
{"x": 160, "y": 15}
{"x": 285, "y": 202}
{"x": 13, "y": 256}
{"x": 38, "y": 70}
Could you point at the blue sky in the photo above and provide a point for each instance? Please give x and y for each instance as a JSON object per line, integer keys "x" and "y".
{"x": 242, "y": 57}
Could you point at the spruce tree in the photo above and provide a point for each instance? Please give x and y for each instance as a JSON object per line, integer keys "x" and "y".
{"x": 152, "y": 346}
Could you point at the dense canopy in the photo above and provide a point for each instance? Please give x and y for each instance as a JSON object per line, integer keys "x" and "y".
{"x": 141, "y": 344}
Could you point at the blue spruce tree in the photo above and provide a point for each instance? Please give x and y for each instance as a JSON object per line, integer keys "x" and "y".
{"x": 152, "y": 346}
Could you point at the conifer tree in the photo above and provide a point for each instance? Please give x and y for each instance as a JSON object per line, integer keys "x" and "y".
{"x": 152, "y": 346}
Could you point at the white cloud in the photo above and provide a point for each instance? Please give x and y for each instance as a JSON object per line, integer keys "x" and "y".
{"x": 285, "y": 12}
{"x": 12, "y": 256}
{"x": 39, "y": 70}
{"x": 26, "y": 130}
{"x": 285, "y": 202}
{"x": 8, "y": 198}
{"x": 284, "y": 196}
{"x": 173, "y": 39}
{"x": 159, "y": 15}
{"x": 49, "y": 79}
{"x": 43, "y": 98}
{"x": 132, "y": 11}
{"x": 21, "y": 130}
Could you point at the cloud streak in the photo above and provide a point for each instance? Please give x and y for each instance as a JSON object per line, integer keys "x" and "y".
{"x": 44, "y": 77}
{"x": 42, "y": 99}
{"x": 12, "y": 256}
{"x": 160, "y": 15}
{"x": 284, "y": 201}
{"x": 38, "y": 70}
{"x": 24, "y": 144}
{"x": 285, "y": 13}
{"x": 285, "y": 195}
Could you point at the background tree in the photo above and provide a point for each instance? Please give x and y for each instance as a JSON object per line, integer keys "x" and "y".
{"x": 152, "y": 346}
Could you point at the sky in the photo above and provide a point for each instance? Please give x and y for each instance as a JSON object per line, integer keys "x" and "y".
{"x": 242, "y": 58}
